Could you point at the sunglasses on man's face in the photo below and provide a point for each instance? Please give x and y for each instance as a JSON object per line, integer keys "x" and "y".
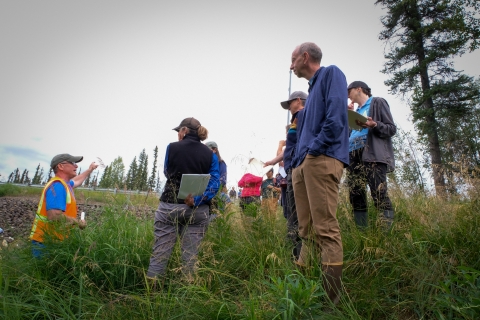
{"x": 71, "y": 162}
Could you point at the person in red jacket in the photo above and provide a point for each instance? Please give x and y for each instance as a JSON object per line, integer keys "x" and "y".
{"x": 251, "y": 190}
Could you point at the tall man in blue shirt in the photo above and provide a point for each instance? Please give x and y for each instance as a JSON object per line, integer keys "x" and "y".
{"x": 320, "y": 156}
{"x": 371, "y": 154}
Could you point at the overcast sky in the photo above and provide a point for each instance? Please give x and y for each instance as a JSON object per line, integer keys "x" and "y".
{"x": 110, "y": 78}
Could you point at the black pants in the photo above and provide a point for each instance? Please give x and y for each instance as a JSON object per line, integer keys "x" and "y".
{"x": 359, "y": 174}
{"x": 246, "y": 201}
{"x": 283, "y": 201}
{"x": 292, "y": 218}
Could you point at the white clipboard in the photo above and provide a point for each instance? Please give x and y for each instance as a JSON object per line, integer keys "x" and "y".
{"x": 256, "y": 168}
{"x": 352, "y": 117}
{"x": 282, "y": 172}
{"x": 194, "y": 184}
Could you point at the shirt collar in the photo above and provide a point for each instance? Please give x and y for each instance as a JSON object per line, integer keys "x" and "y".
{"x": 312, "y": 81}
{"x": 366, "y": 103}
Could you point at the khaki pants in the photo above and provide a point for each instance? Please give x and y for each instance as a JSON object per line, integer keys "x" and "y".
{"x": 269, "y": 206}
{"x": 315, "y": 184}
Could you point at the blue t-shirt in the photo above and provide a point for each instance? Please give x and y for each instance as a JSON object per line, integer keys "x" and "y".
{"x": 56, "y": 196}
{"x": 357, "y": 138}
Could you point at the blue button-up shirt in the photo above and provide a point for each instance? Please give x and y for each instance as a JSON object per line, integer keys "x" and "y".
{"x": 324, "y": 126}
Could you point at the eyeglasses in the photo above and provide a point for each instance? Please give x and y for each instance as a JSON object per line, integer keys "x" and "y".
{"x": 71, "y": 162}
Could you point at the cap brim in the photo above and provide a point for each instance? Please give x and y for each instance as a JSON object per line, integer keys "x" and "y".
{"x": 177, "y": 128}
{"x": 285, "y": 105}
{"x": 77, "y": 159}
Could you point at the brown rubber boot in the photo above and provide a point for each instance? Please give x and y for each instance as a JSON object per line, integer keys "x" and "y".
{"x": 332, "y": 282}
{"x": 302, "y": 257}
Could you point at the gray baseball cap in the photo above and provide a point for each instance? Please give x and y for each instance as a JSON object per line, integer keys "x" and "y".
{"x": 297, "y": 94}
{"x": 211, "y": 144}
{"x": 64, "y": 157}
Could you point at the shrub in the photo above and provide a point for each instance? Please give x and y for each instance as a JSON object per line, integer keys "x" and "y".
{"x": 9, "y": 189}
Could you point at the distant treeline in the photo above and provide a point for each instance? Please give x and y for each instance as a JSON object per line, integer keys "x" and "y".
{"x": 138, "y": 176}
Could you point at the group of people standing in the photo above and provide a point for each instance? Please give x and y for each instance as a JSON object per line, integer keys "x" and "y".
{"x": 317, "y": 148}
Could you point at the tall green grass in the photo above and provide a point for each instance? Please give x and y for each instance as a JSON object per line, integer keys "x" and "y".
{"x": 426, "y": 267}
{"x": 9, "y": 189}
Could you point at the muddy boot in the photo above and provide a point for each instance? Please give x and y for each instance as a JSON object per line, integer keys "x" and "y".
{"x": 302, "y": 257}
{"x": 297, "y": 250}
{"x": 332, "y": 282}
{"x": 361, "y": 219}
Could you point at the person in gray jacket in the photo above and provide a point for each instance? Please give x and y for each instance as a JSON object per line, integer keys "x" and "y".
{"x": 371, "y": 154}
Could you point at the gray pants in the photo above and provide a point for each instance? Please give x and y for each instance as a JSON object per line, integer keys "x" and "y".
{"x": 173, "y": 221}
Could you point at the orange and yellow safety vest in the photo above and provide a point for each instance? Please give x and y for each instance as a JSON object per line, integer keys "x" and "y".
{"x": 41, "y": 222}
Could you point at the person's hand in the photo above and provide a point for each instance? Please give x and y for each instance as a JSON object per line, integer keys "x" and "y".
{"x": 189, "y": 201}
{"x": 93, "y": 166}
{"x": 268, "y": 163}
{"x": 281, "y": 143}
{"x": 351, "y": 106}
{"x": 369, "y": 124}
{"x": 82, "y": 224}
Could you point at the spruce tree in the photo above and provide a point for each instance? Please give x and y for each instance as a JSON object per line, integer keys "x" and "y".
{"x": 24, "y": 179}
{"x": 131, "y": 175}
{"x": 50, "y": 175}
{"x": 40, "y": 176}
{"x": 105, "y": 181}
{"x": 424, "y": 37}
{"x": 141, "y": 179}
{"x": 153, "y": 176}
{"x": 16, "y": 178}
{"x": 36, "y": 175}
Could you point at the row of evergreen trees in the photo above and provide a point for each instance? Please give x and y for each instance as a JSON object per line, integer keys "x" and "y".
{"x": 137, "y": 177}
{"x": 38, "y": 178}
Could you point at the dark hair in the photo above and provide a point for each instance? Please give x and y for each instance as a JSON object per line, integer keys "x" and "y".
{"x": 368, "y": 91}
{"x": 218, "y": 155}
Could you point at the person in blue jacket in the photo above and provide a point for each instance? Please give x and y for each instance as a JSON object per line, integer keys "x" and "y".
{"x": 371, "y": 155}
{"x": 321, "y": 153}
{"x": 220, "y": 201}
{"x": 221, "y": 163}
{"x": 186, "y": 219}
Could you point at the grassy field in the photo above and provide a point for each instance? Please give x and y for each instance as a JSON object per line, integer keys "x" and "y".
{"x": 426, "y": 267}
{"x": 85, "y": 196}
